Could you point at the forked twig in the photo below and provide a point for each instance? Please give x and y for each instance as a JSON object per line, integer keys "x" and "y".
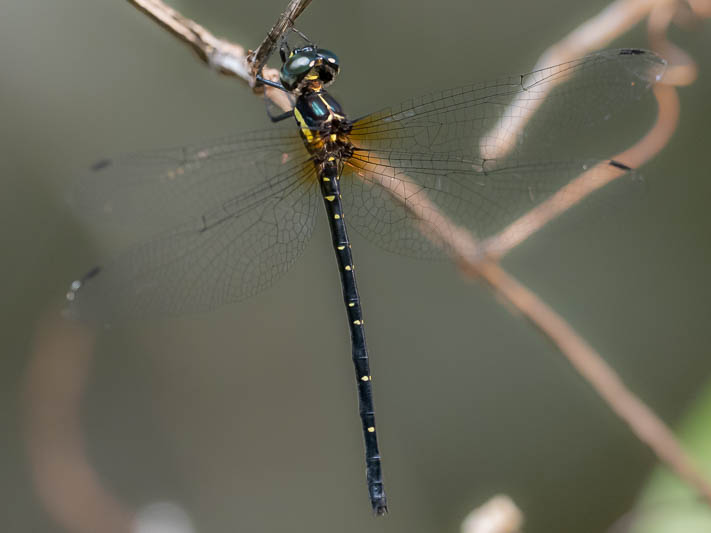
{"x": 222, "y": 55}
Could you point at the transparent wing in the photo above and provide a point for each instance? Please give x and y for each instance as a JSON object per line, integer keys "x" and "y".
{"x": 388, "y": 203}
{"x": 149, "y": 192}
{"x": 485, "y": 154}
{"x": 214, "y": 224}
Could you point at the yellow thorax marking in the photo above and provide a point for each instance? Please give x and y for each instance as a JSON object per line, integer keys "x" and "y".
{"x": 304, "y": 128}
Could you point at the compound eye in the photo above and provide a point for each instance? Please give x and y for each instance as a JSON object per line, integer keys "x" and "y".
{"x": 296, "y": 67}
{"x": 300, "y": 63}
{"x": 329, "y": 58}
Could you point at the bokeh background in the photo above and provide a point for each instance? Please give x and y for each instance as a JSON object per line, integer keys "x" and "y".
{"x": 246, "y": 417}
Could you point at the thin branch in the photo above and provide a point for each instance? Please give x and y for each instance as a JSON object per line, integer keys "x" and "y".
{"x": 222, "y": 55}
{"x": 55, "y": 380}
{"x": 286, "y": 21}
{"x": 227, "y": 58}
{"x": 643, "y": 422}
{"x": 578, "y": 189}
{"x": 593, "y": 34}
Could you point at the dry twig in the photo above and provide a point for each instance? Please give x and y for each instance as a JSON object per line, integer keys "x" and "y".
{"x": 222, "y": 55}
{"x": 228, "y": 58}
{"x": 286, "y": 21}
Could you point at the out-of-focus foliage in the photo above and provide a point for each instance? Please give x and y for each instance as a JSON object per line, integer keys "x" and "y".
{"x": 669, "y": 506}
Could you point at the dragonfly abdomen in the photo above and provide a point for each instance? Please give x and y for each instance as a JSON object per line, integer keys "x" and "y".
{"x": 329, "y": 178}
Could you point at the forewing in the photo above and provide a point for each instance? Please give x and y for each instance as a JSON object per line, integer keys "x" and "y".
{"x": 138, "y": 195}
{"x": 212, "y": 224}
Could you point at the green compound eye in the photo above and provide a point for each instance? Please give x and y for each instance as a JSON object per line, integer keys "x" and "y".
{"x": 296, "y": 67}
{"x": 329, "y": 58}
{"x": 299, "y": 63}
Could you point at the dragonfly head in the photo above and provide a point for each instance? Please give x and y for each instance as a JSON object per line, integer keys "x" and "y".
{"x": 308, "y": 66}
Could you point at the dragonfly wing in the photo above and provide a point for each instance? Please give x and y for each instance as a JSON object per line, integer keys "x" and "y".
{"x": 142, "y": 194}
{"x": 421, "y": 204}
{"x": 485, "y": 154}
{"x": 214, "y": 224}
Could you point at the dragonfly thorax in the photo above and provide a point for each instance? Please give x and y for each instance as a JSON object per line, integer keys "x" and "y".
{"x": 323, "y": 124}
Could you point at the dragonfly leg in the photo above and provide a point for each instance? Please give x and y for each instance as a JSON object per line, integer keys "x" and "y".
{"x": 264, "y": 81}
{"x": 279, "y": 118}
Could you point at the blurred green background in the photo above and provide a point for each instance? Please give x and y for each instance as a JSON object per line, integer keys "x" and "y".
{"x": 246, "y": 416}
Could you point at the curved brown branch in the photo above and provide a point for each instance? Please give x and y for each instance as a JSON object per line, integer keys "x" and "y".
{"x": 593, "y": 34}
{"x": 227, "y": 58}
{"x": 643, "y": 422}
{"x": 224, "y": 56}
{"x": 67, "y": 484}
{"x": 578, "y": 189}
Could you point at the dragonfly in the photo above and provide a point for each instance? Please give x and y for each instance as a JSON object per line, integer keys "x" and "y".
{"x": 217, "y": 222}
